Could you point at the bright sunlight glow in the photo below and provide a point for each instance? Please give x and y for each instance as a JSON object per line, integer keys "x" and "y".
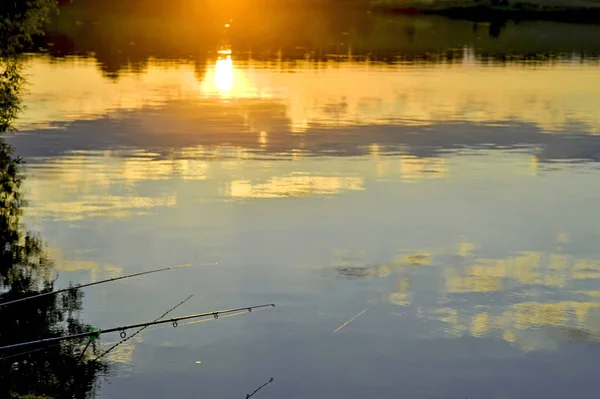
{"x": 224, "y": 74}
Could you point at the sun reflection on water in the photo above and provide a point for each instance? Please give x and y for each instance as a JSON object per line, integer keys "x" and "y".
{"x": 224, "y": 74}
{"x": 385, "y": 95}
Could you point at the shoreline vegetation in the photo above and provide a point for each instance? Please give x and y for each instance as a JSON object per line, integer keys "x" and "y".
{"x": 26, "y": 269}
{"x": 125, "y": 35}
{"x": 582, "y": 11}
{"x": 573, "y": 11}
{"x": 570, "y": 11}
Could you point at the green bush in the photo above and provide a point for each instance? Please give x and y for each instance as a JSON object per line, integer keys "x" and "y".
{"x": 20, "y": 20}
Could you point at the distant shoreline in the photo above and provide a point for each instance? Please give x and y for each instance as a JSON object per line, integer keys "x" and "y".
{"x": 492, "y": 13}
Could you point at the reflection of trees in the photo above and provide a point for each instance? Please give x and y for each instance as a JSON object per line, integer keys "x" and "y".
{"x": 298, "y": 32}
{"x": 25, "y": 269}
{"x": 496, "y": 27}
{"x": 124, "y": 39}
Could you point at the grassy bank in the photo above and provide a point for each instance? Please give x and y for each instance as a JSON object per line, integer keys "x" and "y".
{"x": 577, "y": 11}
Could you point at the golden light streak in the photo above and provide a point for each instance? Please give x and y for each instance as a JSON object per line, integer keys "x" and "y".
{"x": 349, "y": 321}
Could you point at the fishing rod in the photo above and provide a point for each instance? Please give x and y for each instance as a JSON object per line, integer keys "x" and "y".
{"x": 248, "y": 396}
{"x": 75, "y": 287}
{"x": 106, "y": 352}
{"x": 95, "y": 334}
{"x": 189, "y": 323}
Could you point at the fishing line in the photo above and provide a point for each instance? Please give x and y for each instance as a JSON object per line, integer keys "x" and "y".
{"x": 31, "y": 351}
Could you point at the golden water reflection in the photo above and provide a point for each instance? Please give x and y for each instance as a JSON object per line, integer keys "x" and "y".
{"x": 545, "y": 297}
{"x": 355, "y": 93}
{"x": 224, "y": 74}
{"x": 110, "y": 184}
{"x": 297, "y": 185}
{"x": 240, "y": 107}
{"x": 79, "y": 186}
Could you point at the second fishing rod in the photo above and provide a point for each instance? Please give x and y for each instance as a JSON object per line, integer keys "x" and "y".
{"x": 75, "y": 287}
{"x": 95, "y": 333}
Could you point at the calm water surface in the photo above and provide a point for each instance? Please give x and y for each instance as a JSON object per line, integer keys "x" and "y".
{"x": 446, "y": 211}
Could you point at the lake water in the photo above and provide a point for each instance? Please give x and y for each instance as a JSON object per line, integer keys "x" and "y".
{"x": 427, "y": 225}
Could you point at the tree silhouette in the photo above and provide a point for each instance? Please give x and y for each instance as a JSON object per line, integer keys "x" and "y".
{"x": 20, "y": 20}
{"x": 56, "y": 371}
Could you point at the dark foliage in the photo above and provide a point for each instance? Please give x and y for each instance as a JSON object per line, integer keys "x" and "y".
{"x": 25, "y": 269}
{"x": 20, "y": 20}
